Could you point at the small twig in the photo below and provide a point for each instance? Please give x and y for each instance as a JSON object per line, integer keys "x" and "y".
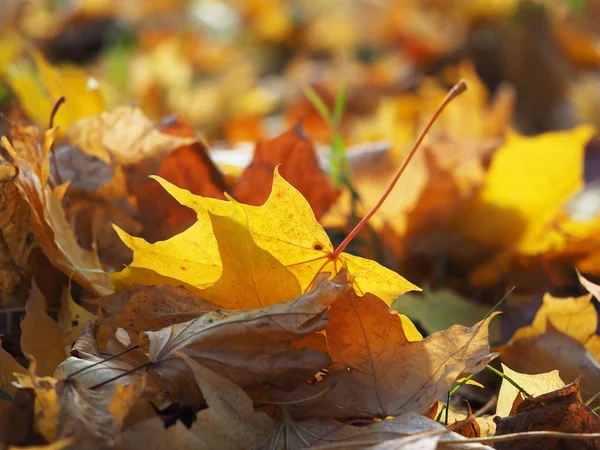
{"x": 59, "y": 102}
{"x": 77, "y": 372}
{"x": 591, "y": 400}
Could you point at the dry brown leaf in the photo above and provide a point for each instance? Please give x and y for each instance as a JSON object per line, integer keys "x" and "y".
{"x": 41, "y": 337}
{"x": 50, "y": 225}
{"x": 380, "y": 373}
{"x": 150, "y": 308}
{"x": 299, "y": 166}
{"x": 128, "y": 141}
{"x": 16, "y": 235}
{"x": 560, "y": 410}
{"x": 249, "y": 347}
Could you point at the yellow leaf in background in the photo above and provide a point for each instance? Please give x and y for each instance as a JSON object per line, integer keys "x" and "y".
{"x": 284, "y": 225}
{"x": 535, "y": 385}
{"x": 574, "y": 316}
{"x": 252, "y": 277}
{"x": 529, "y": 181}
{"x": 39, "y": 88}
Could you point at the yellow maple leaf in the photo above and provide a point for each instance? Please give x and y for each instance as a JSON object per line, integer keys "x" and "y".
{"x": 284, "y": 225}
{"x": 528, "y": 183}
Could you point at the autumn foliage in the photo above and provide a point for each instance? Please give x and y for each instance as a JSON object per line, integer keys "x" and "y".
{"x": 343, "y": 281}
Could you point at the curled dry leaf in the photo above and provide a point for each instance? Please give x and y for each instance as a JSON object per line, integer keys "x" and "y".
{"x": 249, "y": 347}
{"x": 299, "y": 165}
{"x": 377, "y": 371}
{"x": 285, "y": 226}
{"x": 560, "y": 410}
{"x": 562, "y": 336}
{"x": 66, "y": 409}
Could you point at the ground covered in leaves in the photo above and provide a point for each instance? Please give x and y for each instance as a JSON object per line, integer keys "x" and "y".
{"x": 182, "y": 258}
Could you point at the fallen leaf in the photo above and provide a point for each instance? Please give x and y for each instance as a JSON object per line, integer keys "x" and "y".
{"x": 284, "y": 226}
{"x": 16, "y": 236}
{"x": 253, "y": 346}
{"x": 40, "y": 335}
{"x": 560, "y": 410}
{"x": 291, "y": 150}
{"x": 534, "y": 385}
{"x": 380, "y": 373}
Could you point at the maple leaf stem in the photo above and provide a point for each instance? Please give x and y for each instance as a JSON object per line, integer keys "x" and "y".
{"x": 456, "y": 90}
{"x": 59, "y": 102}
{"x": 77, "y": 372}
{"x": 121, "y": 375}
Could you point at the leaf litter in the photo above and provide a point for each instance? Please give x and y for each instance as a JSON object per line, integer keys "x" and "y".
{"x": 174, "y": 296}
